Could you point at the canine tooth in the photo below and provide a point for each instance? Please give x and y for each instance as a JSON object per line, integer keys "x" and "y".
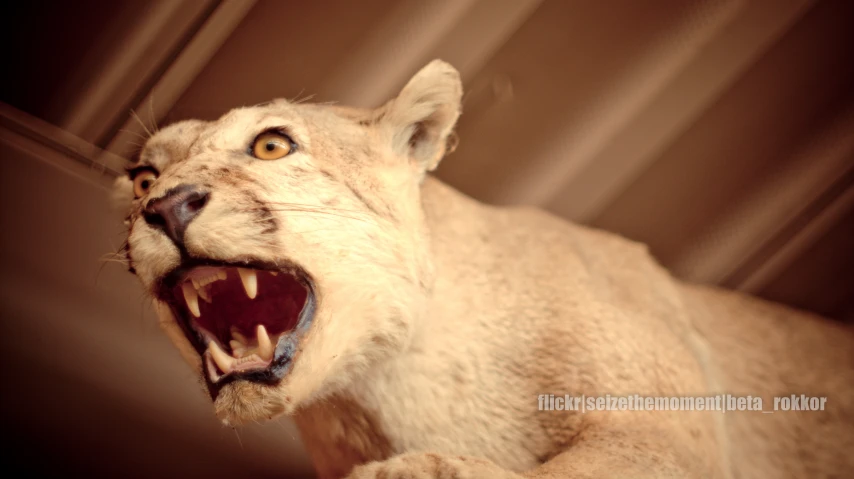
{"x": 196, "y": 283}
{"x": 192, "y": 299}
{"x": 204, "y": 294}
{"x": 265, "y": 347}
{"x": 250, "y": 282}
{"x": 221, "y": 358}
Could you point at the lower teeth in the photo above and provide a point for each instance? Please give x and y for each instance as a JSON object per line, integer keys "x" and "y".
{"x": 241, "y": 352}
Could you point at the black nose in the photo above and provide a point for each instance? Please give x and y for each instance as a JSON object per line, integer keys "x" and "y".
{"x": 175, "y": 210}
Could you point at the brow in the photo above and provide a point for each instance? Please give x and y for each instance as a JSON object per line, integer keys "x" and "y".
{"x": 134, "y": 170}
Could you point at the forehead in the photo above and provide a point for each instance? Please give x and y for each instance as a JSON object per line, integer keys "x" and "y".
{"x": 235, "y": 131}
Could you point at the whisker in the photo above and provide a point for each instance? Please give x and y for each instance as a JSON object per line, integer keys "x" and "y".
{"x": 123, "y": 261}
{"x": 125, "y": 130}
{"x": 141, "y": 123}
{"x": 119, "y": 256}
{"x": 302, "y": 205}
{"x": 240, "y": 441}
{"x": 294, "y": 99}
{"x": 313, "y": 231}
{"x": 307, "y": 98}
{"x": 266, "y": 220}
{"x": 309, "y": 211}
{"x": 151, "y": 113}
{"x": 346, "y": 213}
{"x": 261, "y": 222}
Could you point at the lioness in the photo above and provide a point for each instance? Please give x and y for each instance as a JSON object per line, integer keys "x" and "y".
{"x": 305, "y": 263}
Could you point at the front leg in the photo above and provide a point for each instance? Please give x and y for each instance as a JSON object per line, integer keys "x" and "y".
{"x": 619, "y": 450}
{"x": 632, "y": 451}
{"x": 428, "y": 465}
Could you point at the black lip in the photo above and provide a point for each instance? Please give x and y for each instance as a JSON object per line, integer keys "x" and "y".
{"x": 287, "y": 346}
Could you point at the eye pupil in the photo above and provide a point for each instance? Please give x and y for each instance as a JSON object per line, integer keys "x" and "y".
{"x": 271, "y": 145}
{"x": 142, "y": 182}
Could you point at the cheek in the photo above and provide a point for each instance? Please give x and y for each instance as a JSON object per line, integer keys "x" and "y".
{"x": 151, "y": 252}
{"x": 329, "y": 232}
{"x": 232, "y": 227}
{"x": 322, "y": 238}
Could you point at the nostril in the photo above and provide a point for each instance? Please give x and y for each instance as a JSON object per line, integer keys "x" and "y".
{"x": 154, "y": 219}
{"x": 173, "y": 211}
{"x": 197, "y": 204}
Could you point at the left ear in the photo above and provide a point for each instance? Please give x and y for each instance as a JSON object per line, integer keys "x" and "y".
{"x": 422, "y": 117}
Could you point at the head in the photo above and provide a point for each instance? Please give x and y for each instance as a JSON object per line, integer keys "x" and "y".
{"x": 284, "y": 245}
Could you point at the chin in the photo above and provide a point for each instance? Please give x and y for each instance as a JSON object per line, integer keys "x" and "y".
{"x": 240, "y": 402}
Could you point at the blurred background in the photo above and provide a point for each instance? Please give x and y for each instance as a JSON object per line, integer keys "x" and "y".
{"x": 721, "y": 133}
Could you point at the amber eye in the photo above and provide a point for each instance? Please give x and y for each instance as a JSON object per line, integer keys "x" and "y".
{"x": 142, "y": 183}
{"x": 271, "y": 145}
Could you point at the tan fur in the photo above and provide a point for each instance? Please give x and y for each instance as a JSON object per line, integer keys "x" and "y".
{"x": 440, "y": 320}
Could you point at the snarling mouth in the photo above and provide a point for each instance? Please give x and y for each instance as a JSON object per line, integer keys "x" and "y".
{"x": 244, "y": 321}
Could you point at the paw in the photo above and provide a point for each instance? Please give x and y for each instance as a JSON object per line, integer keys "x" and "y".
{"x": 431, "y": 466}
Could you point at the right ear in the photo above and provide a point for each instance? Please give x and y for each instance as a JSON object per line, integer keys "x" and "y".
{"x": 422, "y": 117}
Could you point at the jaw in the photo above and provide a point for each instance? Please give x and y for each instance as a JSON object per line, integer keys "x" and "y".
{"x": 239, "y": 323}
{"x": 369, "y": 326}
{"x": 240, "y": 402}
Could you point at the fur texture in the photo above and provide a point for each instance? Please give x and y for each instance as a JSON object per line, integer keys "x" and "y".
{"x": 441, "y": 320}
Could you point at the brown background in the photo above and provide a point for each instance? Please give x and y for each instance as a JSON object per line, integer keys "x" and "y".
{"x": 721, "y": 133}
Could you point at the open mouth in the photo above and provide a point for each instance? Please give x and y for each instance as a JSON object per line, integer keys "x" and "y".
{"x": 243, "y": 321}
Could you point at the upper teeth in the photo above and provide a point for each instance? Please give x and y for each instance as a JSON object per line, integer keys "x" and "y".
{"x": 201, "y": 282}
{"x": 250, "y": 282}
{"x": 199, "y": 287}
{"x": 204, "y": 293}
{"x": 191, "y": 296}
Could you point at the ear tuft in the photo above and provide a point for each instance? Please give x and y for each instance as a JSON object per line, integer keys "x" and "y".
{"x": 423, "y": 115}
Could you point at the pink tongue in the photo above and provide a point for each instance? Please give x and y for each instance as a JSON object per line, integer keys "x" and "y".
{"x": 277, "y": 306}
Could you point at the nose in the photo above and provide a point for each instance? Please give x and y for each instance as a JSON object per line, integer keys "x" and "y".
{"x": 173, "y": 211}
